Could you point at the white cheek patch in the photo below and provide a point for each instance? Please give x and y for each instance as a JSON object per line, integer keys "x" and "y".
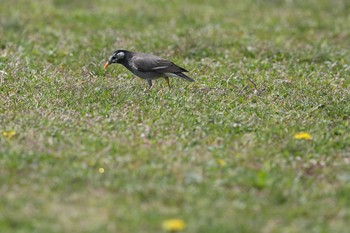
{"x": 120, "y": 55}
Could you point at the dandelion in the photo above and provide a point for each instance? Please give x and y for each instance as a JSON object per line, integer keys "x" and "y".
{"x": 302, "y": 136}
{"x": 173, "y": 225}
{"x": 221, "y": 162}
{"x": 9, "y": 134}
{"x": 101, "y": 170}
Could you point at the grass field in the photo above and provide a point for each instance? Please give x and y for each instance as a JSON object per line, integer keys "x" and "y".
{"x": 88, "y": 150}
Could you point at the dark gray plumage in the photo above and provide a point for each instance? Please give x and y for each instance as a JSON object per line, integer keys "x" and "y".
{"x": 147, "y": 66}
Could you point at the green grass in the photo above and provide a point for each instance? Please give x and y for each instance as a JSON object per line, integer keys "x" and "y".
{"x": 264, "y": 71}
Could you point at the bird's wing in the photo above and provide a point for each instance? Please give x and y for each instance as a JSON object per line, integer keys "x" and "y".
{"x": 148, "y": 63}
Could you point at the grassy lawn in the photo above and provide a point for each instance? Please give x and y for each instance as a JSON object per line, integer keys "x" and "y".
{"x": 219, "y": 153}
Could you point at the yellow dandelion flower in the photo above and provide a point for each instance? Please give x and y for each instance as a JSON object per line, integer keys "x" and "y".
{"x": 101, "y": 170}
{"x": 9, "y": 134}
{"x": 302, "y": 136}
{"x": 173, "y": 225}
{"x": 221, "y": 162}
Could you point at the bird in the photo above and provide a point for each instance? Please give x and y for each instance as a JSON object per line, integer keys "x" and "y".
{"x": 147, "y": 66}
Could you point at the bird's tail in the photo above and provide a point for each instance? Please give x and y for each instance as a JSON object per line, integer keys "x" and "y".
{"x": 181, "y": 75}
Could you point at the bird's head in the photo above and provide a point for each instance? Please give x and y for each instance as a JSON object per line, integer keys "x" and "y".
{"x": 116, "y": 57}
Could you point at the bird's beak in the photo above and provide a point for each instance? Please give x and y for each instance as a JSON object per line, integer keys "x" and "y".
{"x": 106, "y": 65}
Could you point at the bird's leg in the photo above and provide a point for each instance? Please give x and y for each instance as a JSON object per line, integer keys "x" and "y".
{"x": 167, "y": 79}
{"x": 149, "y": 83}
